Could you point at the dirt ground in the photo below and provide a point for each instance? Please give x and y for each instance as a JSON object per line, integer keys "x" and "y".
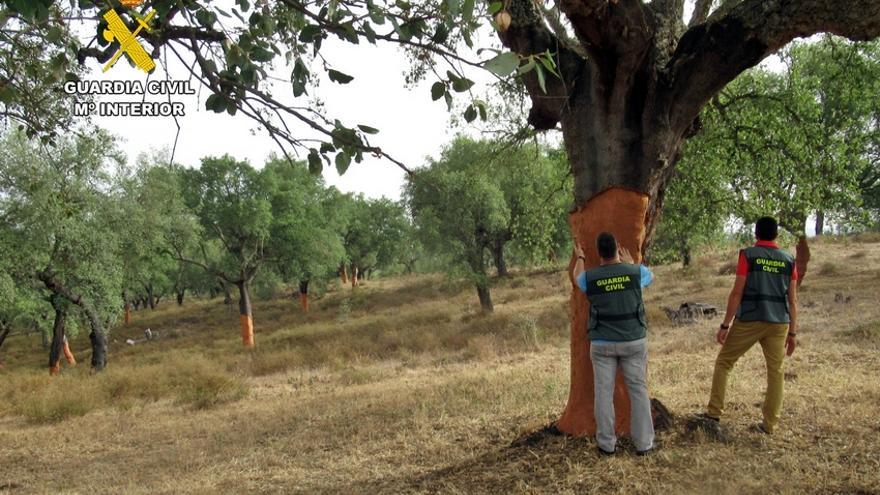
{"x": 400, "y": 386}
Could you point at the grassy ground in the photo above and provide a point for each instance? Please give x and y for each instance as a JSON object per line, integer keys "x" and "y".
{"x": 401, "y": 387}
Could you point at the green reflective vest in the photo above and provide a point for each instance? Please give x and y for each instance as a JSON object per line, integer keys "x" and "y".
{"x": 616, "y": 309}
{"x": 765, "y": 297}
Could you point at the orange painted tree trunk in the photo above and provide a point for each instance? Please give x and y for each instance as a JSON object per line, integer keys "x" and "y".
{"x": 802, "y": 258}
{"x": 623, "y": 213}
{"x": 68, "y": 355}
{"x": 343, "y": 274}
{"x": 246, "y": 315}
{"x": 304, "y": 295}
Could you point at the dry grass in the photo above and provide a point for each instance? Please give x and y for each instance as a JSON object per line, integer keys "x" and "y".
{"x": 401, "y": 386}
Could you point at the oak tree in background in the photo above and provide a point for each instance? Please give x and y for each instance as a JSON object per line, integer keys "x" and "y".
{"x": 58, "y": 231}
{"x": 513, "y": 202}
{"x": 232, "y": 203}
{"x": 304, "y": 242}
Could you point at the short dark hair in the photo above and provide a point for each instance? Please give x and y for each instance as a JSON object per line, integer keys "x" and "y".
{"x": 606, "y": 244}
{"x": 766, "y": 229}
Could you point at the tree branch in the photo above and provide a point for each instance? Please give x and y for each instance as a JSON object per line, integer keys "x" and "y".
{"x": 712, "y": 54}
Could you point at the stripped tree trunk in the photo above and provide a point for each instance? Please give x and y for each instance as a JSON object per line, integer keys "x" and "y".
{"x": 343, "y": 273}
{"x": 820, "y": 222}
{"x": 246, "y": 314}
{"x": 68, "y": 354}
{"x": 304, "y": 295}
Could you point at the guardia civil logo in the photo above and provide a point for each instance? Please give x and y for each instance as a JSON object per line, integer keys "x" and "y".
{"x": 118, "y": 32}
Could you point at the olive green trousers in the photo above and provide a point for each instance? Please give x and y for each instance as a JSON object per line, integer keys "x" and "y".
{"x": 741, "y": 337}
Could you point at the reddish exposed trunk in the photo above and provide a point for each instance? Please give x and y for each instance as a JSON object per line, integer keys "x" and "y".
{"x": 246, "y": 316}
{"x": 355, "y": 274}
{"x": 623, "y": 213}
{"x": 304, "y": 295}
{"x": 343, "y": 274}
{"x": 68, "y": 355}
{"x": 802, "y": 258}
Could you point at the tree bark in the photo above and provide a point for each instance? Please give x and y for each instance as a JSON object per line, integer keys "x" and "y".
{"x": 245, "y": 314}
{"x": 820, "y": 222}
{"x": 304, "y": 295}
{"x": 151, "y": 301}
{"x": 227, "y": 295}
{"x": 97, "y": 336}
{"x": 622, "y": 213}
{"x": 57, "y": 338}
{"x": 343, "y": 273}
{"x": 485, "y": 298}
{"x": 802, "y": 258}
{"x": 126, "y": 307}
{"x": 355, "y": 275}
{"x": 685, "y": 255}
{"x": 68, "y": 354}
{"x": 5, "y": 329}
{"x": 498, "y": 257}
{"x": 180, "y": 295}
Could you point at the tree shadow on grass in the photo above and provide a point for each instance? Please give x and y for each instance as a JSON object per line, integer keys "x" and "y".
{"x": 538, "y": 459}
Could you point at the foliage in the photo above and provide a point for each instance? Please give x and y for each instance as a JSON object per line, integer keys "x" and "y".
{"x": 57, "y": 220}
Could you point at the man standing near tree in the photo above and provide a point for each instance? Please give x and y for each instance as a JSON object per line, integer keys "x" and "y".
{"x": 617, "y": 333}
{"x": 764, "y": 300}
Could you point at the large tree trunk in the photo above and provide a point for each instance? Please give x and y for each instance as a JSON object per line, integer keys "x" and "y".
{"x": 485, "y": 298}
{"x": 245, "y": 314}
{"x": 343, "y": 273}
{"x": 5, "y": 329}
{"x": 180, "y": 295}
{"x": 820, "y": 222}
{"x": 355, "y": 275}
{"x": 68, "y": 354}
{"x": 623, "y": 213}
{"x": 498, "y": 257}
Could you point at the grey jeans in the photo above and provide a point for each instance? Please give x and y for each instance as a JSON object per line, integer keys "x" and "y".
{"x": 632, "y": 357}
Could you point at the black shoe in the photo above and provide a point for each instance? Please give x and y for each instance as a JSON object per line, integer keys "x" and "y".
{"x": 603, "y": 452}
{"x": 642, "y": 453}
{"x": 706, "y": 416}
{"x": 759, "y": 428}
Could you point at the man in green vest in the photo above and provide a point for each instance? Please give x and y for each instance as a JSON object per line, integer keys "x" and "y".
{"x": 764, "y": 300}
{"x": 617, "y": 333}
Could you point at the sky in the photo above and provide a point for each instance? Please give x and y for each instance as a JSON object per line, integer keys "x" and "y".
{"x": 411, "y": 125}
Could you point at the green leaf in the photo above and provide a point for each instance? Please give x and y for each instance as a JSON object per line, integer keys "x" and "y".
{"x": 260, "y": 54}
{"x": 441, "y": 35}
{"x": 315, "y": 165}
{"x": 343, "y": 161}
{"x": 367, "y": 129}
{"x": 548, "y": 63}
{"x": 244, "y": 4}
{"x": 453, "y": 7}
{"x": 481, "y": 107}
{"x": 448, "y": 97}
{"x": 467, "y": 11}
{"x": 495, "y": 7}
{"x": 437, "y": 91}
{"x": 541, "y": 78}
{"x": 461, "y": 85}
{"x": 309, "y": 33}
{"x": 470, "y": 114}
{"x": 503, "y": 64}
{"x": 339, "y": 77}
{"x": 54, "y": 34}
{"x": 526, "y": 67}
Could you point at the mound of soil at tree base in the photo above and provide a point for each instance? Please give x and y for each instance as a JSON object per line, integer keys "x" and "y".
{"x": 711, "y": 429}
{"x": 662, "y": 421}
